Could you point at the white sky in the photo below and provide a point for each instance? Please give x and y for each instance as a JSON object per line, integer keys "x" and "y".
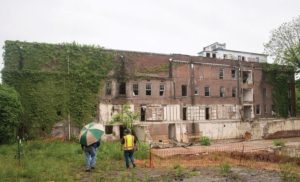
{"x": 160, "y": 26}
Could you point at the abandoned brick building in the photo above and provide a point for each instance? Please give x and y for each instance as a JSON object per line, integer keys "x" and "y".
{"x": 184, "y": 97}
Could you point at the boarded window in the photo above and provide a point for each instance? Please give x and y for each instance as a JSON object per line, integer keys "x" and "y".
{"x": 148, "y": 89}
{"x": 183, "y": 90}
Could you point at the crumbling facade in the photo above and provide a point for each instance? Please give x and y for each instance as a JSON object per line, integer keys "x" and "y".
{"x": 181, "y": 97}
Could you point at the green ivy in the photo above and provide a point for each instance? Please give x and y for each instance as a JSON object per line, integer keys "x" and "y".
{"x": 55, "y": 80}
{"x": 279, "y": 77}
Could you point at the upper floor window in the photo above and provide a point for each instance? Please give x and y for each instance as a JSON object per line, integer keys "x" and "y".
{"x": 161, "y": 89}
{"x": 257, "y": 109}
{"x": 264, "y": 92}
{"x": 108, "y": 88}
{"x": 135, "y": 89}
{"x": 221, "y": 73}
{"x": 222, "y": 92}
{"x": 196, "y": 91}
{"x": 206, "y": 91}
{"x": 257, "y": 59}
{"x": 122, "y": 88}
{"x": 233, "y": 74}
{"x": 233, "y": 92}
{"x": 183, "y": 90}
{"x": 148, "y": 89}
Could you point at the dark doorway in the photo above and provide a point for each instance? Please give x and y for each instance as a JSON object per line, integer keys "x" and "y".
{"x": 122, "y": 128}
{"x": 207, "y": 113}
{"x": 122, "y": 88}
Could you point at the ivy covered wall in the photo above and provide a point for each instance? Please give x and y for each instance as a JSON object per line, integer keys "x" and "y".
{"x": 55, "y": 80}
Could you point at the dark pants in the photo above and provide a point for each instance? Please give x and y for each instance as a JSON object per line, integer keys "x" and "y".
{"x": 128, "y": 154}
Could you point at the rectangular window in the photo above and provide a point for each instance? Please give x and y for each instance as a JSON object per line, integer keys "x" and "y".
{"x": 161, "y": 89}
{"x": 239, "y": 58}
{"x": 221, "y": 73}
{"x": 135, "y": 89}
{"x": 207, "y": 54}
{"x": 148, "y": 89}
{"x": 233, "y": 92}
{"x": 183, "y": 90}
{"x": 108, "y": 88}
{"x": 257, "y": 109}
{"x": 243, "y": 58}
{"x": 264, "y": 92}
{"x": 184, "y": 113}
{"x": 214, "y": 55}
{"x": 122, "y": 88}
{"x": 196, "y": 91}
{"x": 225, "y": 56}
{"x": 265, "y": 108}
{"x": 108, "y": 129}
{"x": 206, "y": 91}
{"x": 222, "y": 92}
{"x": 233, "y": 74}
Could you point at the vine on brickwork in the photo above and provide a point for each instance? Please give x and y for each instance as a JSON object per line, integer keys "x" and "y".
{"x": 279, "y": 77}
{"x": 54, "y": 81}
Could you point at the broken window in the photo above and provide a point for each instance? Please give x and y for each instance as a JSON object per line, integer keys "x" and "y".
{"x": 248, "y": 94}
{"x": 207, "y": 113}
{"x": 108, "y": 88}
{"x": 197, "y": 91}
{"x": 206, "y": 91}
{"x": 233, "y": 74}
{"x": 148, "y": 89}
{"x": 122, "y": 88}
{"x": 108, "y": 129}
{"x": 221, "y": 73}
{"x": 257, "y": 109}
{"x": 143, "y": 113}
{"x": 207, "y": 54}
{"x": 135, "y": 89}
{"x": 214, "y": 55}
{"x": 225, "y": 56}
{"x": 161, "y": 89}
{"x": 243, "y": 58}
{"x": 183, "y": 90}
{"x": 233, "y": 92}
{"x": 247, "y": 77}
{"x": 222, "y": 92}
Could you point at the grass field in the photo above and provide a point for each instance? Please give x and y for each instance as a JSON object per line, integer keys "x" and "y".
{"x": 62, "y": 161}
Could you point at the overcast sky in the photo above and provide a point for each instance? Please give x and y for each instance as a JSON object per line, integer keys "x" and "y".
{"x": 161, "y": 26}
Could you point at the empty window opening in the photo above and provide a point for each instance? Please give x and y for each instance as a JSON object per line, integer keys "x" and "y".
{"x": 207, "y": 54}
{"x": 135, "y": 88}
{"x": 184, "y": 113}
{"x": 233, "y": 74}
{"x": 214, "y": 55}
{"x": 247, "y": 112}
{"x": 247, "y": 78}
{"x": 233, "y": 92}
{"x": 243, "y": 58}
{"x": 206, "y": 91}
{"x": 265, "y": 108}
{"x": 108, "y": 129}
{"x": 108, "y": 88}
{"x": 207, "y": 113}
{"x": 183, "y": 90}
{"x": 221, "y": 73}
{"x": 161, "y": 89}
{"x": 257, "y": 109}
{"x": 222, "y": 92}
{"x": 148, "y": 89}
{"x": 122, "y": 88}
{"x": 172, "y": 131}
{"x": 225, "y": 56}
{"x": 248, "y": 95}
{"x": 197, "y": 91}
{"x": 143, "y": 113}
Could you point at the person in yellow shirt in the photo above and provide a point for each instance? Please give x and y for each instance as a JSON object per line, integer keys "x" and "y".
{"x": 128, "y": 142}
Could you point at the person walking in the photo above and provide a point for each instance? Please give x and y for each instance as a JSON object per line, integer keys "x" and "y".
{"x": 90, "y": 155}
{"x": 128, "y": 142}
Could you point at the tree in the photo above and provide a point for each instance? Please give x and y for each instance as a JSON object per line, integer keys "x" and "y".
{"x": 126, "y": 117}
{"x": 284, "y": 44}
{"x": 10, "y": 111}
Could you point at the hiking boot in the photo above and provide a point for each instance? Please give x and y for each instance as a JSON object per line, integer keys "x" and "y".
{"x": 87, "y": 170}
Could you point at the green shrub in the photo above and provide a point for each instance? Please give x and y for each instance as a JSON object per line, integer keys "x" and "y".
{"x": 288, "y": 173}
{"x": 278, "y": 143}
{"x": 225, "y": 169}
{"x": 205, "y": 141}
